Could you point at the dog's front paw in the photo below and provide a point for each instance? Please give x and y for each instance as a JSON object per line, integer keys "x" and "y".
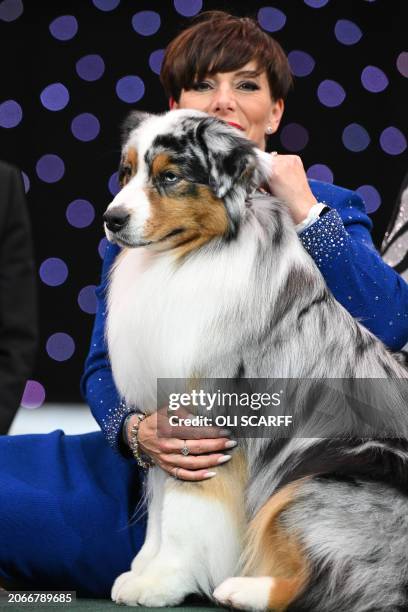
{"x": 245, "y": 593}
{"x": 151, "y": 590}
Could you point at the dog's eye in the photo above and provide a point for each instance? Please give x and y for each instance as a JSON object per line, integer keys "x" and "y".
{"x": 125, "y": 173}
{"x": 170, "y": 178}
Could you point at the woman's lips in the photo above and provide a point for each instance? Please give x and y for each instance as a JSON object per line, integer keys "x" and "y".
{"x": 236, "y": 125}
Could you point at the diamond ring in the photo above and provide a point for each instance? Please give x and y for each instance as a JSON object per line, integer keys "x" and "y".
{"x": 184, "y": 451}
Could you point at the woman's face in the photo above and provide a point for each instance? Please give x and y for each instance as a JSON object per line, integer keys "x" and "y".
{"x": 241, "y": 97}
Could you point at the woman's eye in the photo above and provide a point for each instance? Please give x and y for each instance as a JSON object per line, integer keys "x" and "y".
{"x": 201, "y": 86}
{"x": 248, "y": 86}
{"x": 170, "y": 178}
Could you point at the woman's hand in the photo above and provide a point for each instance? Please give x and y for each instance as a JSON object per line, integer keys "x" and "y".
{"x": 165, "y": 451}
{"x": 288, "y": 182}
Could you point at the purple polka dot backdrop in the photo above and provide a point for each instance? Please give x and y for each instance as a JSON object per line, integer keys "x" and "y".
{"x": 85, "y": 127}
{"x": 55, "y": 97}
{"x": 64, "y": 27}
{"x": 60, "y": 346}
{"x": 34, "y": 395}
{"x": 80, "y": 213}
{"x": 75, "y": 69}
{"x": 10, "y": 114}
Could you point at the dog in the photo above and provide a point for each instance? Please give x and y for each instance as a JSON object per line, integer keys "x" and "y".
{"x": 213, "y": 282}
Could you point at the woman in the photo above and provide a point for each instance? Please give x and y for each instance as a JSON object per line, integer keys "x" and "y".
{"x": 67, "y": 500}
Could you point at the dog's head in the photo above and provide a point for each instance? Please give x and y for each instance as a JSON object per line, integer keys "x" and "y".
{"x": 185, "y": 177}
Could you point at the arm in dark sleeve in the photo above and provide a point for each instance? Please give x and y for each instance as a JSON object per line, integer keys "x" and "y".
{"x": 340, "y": 244}
{"x": 97, "y": 384}
{"x": 18, "y": 305}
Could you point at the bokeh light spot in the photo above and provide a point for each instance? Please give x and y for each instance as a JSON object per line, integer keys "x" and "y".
{"x": 11, "y": 114}
{"x": 316, "y": 3}
{"x": 156, "y": 60}
{"x": 87, "y": 299}
{"x": 130, "y": 89}
{"x": 330, "y": 93}
{"x": 301, "y": 63}
{"x": 320, "y": 172}
{"x": 90, "y": 67}
{"x": 53, "y": 271}
{"x": 64, "y": 27}
{"x": 55, "y": 97}
{"x": 34, "y": 395}
{"x": 370, "y": 196}
{"x": 374, "y": 79}
{"x": 294, "y": 137}
{"x": 106, "y": 5}
{"x": 80, "y": 213}
{"x": 355, "y": 138}
{"x": 188, "y": 8}
{"x": 60, "y": 346}
{"x": 393, "y": 141}
{"x": 347, "y": 32}
{"x": 402, "y": 63}
{"x": 10, "y": 10}
{"x": 146, "y": 23}
{"x": 113, "y": 184}
{"x": 50, "y": 168}
{"x": 271, "y": 19}
{"x": 85, "y": 127}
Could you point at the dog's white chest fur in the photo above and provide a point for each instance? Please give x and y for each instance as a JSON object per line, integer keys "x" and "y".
{"x": 163, "y": 318}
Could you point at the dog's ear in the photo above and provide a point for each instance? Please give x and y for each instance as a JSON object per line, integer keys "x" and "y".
{"x": 231, "y": 158}
{"x": 132, "y": 121}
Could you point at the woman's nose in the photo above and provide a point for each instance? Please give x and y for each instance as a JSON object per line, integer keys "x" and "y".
{"x": 223, "y": 100}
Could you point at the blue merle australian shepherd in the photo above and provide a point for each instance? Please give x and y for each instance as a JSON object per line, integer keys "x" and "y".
{"x": 212, "y": 281}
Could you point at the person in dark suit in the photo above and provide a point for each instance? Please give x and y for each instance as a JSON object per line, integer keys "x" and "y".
{"x": 18, "y": 307}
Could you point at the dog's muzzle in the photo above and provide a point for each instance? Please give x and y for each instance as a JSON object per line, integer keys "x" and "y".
{"x": 116, "y": 219}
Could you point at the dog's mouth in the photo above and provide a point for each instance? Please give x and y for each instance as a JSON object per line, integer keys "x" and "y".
{"x": 123, "y": 241}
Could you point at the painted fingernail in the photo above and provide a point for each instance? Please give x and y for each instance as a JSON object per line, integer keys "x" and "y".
{"x": 224, "y": 433}
{"x": 224, "y": 459}
{"x": 230, "y": 444}
{"x": 209, "y": 474}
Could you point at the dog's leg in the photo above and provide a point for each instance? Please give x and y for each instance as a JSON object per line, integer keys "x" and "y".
{"x": 275, "y": 566}
{"x": 258, "y": 594}
{"x": 199, "y": 548}
{"x": 151, "y": 546}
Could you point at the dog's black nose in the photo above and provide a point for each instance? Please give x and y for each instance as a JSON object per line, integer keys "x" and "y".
{"x": 116, "y": 219}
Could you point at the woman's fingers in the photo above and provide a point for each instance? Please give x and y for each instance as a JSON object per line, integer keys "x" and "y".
{"x": 181, "y": 474}
{"x": 288, "y": 182}
{"x": 195, "y": 447}
{"x": 193, "y": 462}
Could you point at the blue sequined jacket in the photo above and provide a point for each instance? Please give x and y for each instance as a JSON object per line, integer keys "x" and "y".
{"x": 341, "y": 246}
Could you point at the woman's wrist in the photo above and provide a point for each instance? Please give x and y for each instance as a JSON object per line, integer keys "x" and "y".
{"x": 126, "y": 428}
{"x": 144, "y": 461}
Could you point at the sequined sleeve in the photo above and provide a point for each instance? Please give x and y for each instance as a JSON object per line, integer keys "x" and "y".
{"x": 97, "y": 385}
{"x": 340, "y": 244}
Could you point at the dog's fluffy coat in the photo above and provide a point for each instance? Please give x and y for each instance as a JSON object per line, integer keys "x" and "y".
{"x": 220, "y": 286}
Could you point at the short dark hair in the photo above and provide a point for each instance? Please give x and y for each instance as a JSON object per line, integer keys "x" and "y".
{"x": 220, "y": 42}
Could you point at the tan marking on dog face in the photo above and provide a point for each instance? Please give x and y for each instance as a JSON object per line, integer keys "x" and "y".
{"x": 200, "y": 218}
{"x": 162, "y": 162}
{"x": 271, "y": 550}
{"x": 128, "y": 166}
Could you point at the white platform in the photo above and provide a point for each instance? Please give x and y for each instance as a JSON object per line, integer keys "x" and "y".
{"x": 71, "y": 418}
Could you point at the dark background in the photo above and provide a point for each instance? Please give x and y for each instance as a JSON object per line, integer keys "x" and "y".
{"x": 32, "y": 59}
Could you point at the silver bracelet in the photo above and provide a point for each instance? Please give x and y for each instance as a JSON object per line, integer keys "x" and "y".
{"x": 142, "y": 460}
